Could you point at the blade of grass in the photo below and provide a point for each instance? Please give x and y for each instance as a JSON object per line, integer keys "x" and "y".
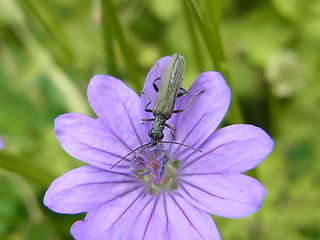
{"x": 21, "y": 166}
{"x": 195, "y": 41}
{"x": 210, "y": 33}
{"x": 44, "y": 15}
{"x": 109, "y": 47}
{"x": 207, "y": 37}
{"x": 212, "y": 12}
{"x": 27, "y": 195}
{"x": 74, "y": 100}
{"x": 112, "y": 24}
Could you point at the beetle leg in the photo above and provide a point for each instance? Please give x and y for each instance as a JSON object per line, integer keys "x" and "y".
{"x": 191, "y": 100}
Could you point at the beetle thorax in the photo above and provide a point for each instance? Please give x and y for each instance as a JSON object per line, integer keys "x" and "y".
{"x": 156, "y": 133}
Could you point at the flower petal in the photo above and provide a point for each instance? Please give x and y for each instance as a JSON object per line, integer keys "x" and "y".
{"x": 166, "y": 216}
{"x": 89, "y": 140}
{"x": 118, "y": 107}
{"x": 112, "y": 221}
{"x": 226, "y": 195}
{"x": 188, "y": 222}
{"x": 233, "y": 149}
{"x": 1, "y": 144}
{"x": 203, "y": 116}
{"x": 171, "y": 217}
{"x": 86, "y": 188}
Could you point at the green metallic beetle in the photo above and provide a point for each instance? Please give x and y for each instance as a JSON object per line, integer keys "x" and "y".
{"x": 165, "y": 101}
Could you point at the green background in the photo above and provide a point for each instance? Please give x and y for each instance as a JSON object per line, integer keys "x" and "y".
{"x": 268, "y": 51}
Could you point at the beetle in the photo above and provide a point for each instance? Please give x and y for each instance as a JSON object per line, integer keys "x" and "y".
{"x": 165, "y": 101}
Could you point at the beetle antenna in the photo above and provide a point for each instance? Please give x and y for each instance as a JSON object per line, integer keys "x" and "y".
{"x": 198, "y": 150}
{"x": 144, "y": 145}
{"x": 148, "y": 144}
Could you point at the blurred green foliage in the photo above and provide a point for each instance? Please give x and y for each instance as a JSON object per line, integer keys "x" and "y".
{"x": 268, "y": 52}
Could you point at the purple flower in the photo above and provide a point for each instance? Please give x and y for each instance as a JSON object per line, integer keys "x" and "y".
{"x": 190, "y": 184}
{"x": 1, "y": 144}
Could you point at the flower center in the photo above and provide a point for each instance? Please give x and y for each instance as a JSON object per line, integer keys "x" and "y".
{"x": 155, "y": 166}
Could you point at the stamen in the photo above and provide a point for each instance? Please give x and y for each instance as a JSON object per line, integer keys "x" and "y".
{"x": 152, "y": 160}
{"x": 146, "y": 172}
